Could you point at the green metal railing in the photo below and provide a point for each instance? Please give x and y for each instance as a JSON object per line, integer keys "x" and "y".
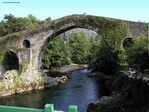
{"x": 47, "y": 108}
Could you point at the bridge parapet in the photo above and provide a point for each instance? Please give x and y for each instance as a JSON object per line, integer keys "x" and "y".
{"x": 48, "y": 108}
{"x": 137, "y": 28}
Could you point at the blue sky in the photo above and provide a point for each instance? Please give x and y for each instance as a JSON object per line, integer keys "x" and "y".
{"x": 134, "y": 10}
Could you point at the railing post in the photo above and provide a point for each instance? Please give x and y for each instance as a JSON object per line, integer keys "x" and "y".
{"x": 73, "y": 108}
{"x": 49, "y": 108}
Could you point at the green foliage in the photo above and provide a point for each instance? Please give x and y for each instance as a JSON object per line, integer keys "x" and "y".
{"x": 24, "y": 65}
{"x": 47, "y": 20}
{"x": 57, "y": 53}
{"x": 137, "y": 54}
{"x": 94, "y": 47}
{"x": 12, "y": 24}
{"x": 2, "y": 53}
{"x": 13, "y": 37}
{"x": 109, "y": 56}
{"x": 118, "y": 81}
{"x": 17, "y": 83}
{"x": 31, "y": 21}
{"x": 105, "y": 50}
{"x": 79, "y": 47}
{"x": 75, "y": 49}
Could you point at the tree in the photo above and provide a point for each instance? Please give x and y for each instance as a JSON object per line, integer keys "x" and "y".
{"x": 79, "y": 47}
{"x": 31, "y": 21}
{"x": 61, "y": 52}
{"x": 107, "y": 59}
{"x": 109, "y": 55}
{"x": 94, "y": 47}
{"x": 12, "y": 24}
{"x": 137, "y": 54}
{"x": 57, "y": 53}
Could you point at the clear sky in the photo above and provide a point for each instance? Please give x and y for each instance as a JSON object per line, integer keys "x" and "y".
{"x": 134, "y": 10}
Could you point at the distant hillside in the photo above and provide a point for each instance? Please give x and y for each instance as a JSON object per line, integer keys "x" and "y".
{"x": 89, "y": 33}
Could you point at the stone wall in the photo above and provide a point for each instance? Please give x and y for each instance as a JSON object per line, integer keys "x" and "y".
{"x": 137, "y": 29}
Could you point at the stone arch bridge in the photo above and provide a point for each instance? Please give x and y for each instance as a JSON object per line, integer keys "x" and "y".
{"x": 23, "y": 50}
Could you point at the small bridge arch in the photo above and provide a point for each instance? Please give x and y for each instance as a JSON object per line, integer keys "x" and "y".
{"x": 26, "y": 43}
{"x": 127, "y": 42}
{"x": 10, "y": 61}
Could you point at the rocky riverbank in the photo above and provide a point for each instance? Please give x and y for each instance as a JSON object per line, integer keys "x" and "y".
{"x": 125, "y": 95}
{"x": 15, "y": 82}
{"x": 61, "y": 74}
{"x": 67, "y": 68}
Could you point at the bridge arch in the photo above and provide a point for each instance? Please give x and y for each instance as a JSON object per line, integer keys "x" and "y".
{"x": 26, "y": 43}
{"x": 127, "y": 42}
{"x": 10, "y": 61}
{"x": 40, "y": 36}
{"x": 101, "y": 25}
{"x": 54, "y": 35}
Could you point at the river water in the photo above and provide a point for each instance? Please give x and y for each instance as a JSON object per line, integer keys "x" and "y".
{"x": 79, "y": 90}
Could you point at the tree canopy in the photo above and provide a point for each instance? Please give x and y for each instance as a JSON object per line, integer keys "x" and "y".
{"x": 11, "y": 24}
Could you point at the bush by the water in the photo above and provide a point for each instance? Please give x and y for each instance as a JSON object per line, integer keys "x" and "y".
{"x": 137, "y": 54}
{"x": 110, "y": 54}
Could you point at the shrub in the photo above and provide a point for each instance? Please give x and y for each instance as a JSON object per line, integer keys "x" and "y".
{"x": 137, "y": 54}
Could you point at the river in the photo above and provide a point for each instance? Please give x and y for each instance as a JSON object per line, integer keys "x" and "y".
{"x": 79, "y": 90}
